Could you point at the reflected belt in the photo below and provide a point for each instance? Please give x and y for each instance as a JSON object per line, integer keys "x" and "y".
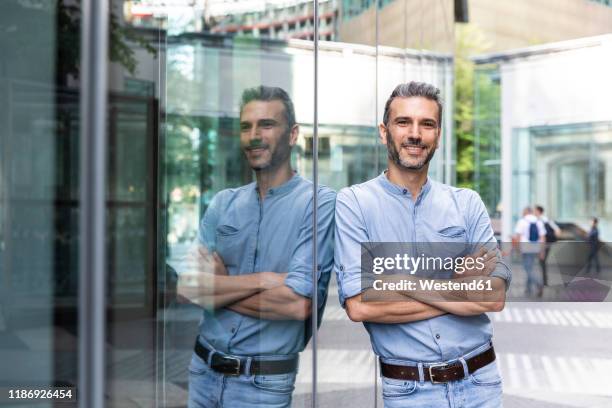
{"x": 235, "y": 365}
{"x": 438, "y": 373}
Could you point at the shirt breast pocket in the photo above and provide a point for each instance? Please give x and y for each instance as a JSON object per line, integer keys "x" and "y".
{"x": 230, "y": 243}
{"x": 453, "y": 234}
{"x": 451, "y": 242}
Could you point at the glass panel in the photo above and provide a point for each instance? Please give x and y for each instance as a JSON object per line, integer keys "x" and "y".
{"x": 38, "y": 188}
{"x": 238, "y": 218}
{"x": 135, "y": 85}
{"x": 379, "y": 45}
{"x": 574, "y": 186}
{"x": 349, "y": 153}
{"x": 542, "y": 138}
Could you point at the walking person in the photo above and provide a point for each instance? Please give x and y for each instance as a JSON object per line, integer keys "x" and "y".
{"x": 552, "y": 232}
{"x": 530, "y": 239}
{"x": 593, "y": 240}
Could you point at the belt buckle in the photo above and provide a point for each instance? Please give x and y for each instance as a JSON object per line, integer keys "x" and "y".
{"x": 237, "y": 360}
{"x": 431, "y": 376}
{"x": 225, "y": 367}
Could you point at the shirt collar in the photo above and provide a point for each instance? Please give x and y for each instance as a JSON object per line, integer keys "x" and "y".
{"x": 395, "y": 189}
{"x": 284, "y": 188}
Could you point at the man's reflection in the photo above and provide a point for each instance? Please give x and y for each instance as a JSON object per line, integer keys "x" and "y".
{"x": 252, "y": 272}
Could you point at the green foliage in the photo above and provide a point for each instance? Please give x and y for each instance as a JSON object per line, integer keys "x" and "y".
{"x": 469, "y": 41}
{"x": 18, "y": 22}
{"x": 122, "y": 39}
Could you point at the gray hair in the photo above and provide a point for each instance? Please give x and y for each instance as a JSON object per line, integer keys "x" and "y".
{"x": 414, "y": 89}
{"x": 267, "y": 94}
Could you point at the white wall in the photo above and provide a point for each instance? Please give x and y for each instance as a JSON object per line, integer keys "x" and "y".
{"x": 552, "y": 86}
{"x": 354, "y": 81}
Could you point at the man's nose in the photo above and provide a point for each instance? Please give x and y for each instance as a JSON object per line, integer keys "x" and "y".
{"x": 254, "y": 133}
{"x": 415, "y": 129}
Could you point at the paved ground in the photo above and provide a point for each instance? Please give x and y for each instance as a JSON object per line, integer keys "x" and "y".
{"x": 551, "y": 354}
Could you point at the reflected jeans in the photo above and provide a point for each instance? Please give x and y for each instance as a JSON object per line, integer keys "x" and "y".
{"x": 209, "y": 389}
{"x": 481, "y": 389}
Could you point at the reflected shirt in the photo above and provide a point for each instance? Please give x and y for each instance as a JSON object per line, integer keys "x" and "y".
{"x": 274, "y": 235}
{"x": 380, "y": 211}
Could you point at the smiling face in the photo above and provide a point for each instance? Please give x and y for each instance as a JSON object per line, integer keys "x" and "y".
{"x": 413, "y": 132}
{"x": 264, "y": 135}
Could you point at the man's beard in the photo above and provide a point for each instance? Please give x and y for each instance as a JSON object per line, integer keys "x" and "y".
{"x": 279, "y": 155}
{"x": 394, "y": 155}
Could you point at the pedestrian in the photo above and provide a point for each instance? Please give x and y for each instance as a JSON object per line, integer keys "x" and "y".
{"x": 530, "y": 235}
{"x": 552, "y": 232}
{"x": 254, "y": 263}
{"x": 432, "y": 353}
{"x": 593, "y": 240}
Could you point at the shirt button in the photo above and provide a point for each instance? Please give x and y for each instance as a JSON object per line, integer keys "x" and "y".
{"x": 404, "y": 191}
{"x": 233, "y": 330}
{"x": 341, "y": 267}
{"x": 437, "y": 336}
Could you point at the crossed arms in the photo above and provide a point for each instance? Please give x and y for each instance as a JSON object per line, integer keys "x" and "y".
{"x": 263, "y": 295}
{"x": 414, "y": 305}
{"x": 410, "y": 306}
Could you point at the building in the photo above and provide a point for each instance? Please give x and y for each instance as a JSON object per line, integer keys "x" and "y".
{"x": 555, "y": 130}
{"x": 278, "y": 19}
{"x": 504, "y": 24}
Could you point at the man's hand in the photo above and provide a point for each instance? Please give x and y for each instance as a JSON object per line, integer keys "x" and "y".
{"x": 271, "y": 280}
{"x": 488, "y": 259}
{"x": 405, "y": 311}
{"x": 204, "y": 280}
{"x": 218, "y": 265}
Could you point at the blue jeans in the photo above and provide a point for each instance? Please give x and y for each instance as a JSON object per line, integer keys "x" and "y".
{"x": 481, "y": 389}
{"x": 208, "y": 389}
{"x": 532, "y": 279}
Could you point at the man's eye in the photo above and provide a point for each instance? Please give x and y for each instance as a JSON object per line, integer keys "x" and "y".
{"x": 402, "y": 123}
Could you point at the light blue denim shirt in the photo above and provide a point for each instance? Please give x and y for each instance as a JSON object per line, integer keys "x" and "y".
{"x": 273, "y": 235}
{"x": 379, "y": 211}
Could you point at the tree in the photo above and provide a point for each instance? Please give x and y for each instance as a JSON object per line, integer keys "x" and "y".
{"x": 469, "y": 41}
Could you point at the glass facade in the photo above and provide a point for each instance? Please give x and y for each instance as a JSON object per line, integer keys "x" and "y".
{"x": 207, "y": 73}
{"x": 487, "y": 137}
{"x": 576, "y": 185}
{"x": 223, "y": 131}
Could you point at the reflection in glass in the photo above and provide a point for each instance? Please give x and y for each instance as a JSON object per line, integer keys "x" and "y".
{"x": 251, "y": 269}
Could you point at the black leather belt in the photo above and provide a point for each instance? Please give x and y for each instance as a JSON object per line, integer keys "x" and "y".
{"x": 234, "y": 365}
{"x": 438, "y": 373}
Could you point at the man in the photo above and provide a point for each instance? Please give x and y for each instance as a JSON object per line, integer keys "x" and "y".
{"x": 433, "y": 353}
{"x": 530, "y": 239}
{"x": 593, "y": 239}
{"x": 254, "y": 266}
{"x": 552, "y": 232}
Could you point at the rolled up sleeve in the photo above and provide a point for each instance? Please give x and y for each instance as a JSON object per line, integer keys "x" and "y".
{"x": 481, "y": 233}
{"x": 299, "y": 277}
{"x": 350, "y": 233}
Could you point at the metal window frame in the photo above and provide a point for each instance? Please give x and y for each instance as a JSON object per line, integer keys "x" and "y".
{"x": 315, "y": 187}
{"x": 92, "y": 220}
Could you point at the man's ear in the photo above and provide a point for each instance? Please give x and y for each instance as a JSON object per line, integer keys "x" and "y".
{"x": 293, "y": 135}
{"x": 382, "y": 133}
